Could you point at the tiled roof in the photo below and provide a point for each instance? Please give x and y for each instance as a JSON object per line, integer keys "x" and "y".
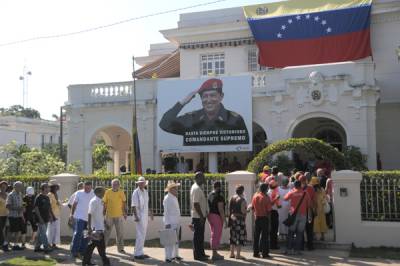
{"x": 167, "y": 66}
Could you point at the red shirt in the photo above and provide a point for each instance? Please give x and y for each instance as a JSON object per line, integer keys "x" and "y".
{"x": 310, "y": 190}
{"x": 261, "y": 204}
{"x": 263, "y": 176}
{"x": 295, "y": 196}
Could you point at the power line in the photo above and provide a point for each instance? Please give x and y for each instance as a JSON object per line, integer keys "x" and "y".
{"x": 67, "y": 34}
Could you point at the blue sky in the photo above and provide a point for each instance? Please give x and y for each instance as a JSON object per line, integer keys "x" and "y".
{"x": 101, "y": 56}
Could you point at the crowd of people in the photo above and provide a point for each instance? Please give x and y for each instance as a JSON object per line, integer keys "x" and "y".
{"x": 284, "y": 208}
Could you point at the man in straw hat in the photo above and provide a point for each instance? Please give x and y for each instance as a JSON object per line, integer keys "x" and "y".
{"x": 172, "y": 214}
{"x": 140, "y": 208}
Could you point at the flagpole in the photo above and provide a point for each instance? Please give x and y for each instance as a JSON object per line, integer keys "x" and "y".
{"x": 134, "y": 123}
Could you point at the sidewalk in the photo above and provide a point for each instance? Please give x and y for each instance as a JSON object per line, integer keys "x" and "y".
{"x": 317, "y": 257}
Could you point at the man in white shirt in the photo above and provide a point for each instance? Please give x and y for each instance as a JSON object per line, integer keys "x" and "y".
{"x": 172, "y": 214}
{"x": 140, "y": 208}
{"x": 79, "y": 212}
{"x": 199, "y": 211}
{"x": 96, "y": 229}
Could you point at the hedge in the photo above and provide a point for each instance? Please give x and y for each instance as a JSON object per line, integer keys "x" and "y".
{"x": 394, "y": 174}
{"x": 314, "y": 146}
{"x": 176, "y": 176}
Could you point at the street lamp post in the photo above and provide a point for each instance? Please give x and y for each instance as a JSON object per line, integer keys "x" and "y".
{"x": 24, "y": 79}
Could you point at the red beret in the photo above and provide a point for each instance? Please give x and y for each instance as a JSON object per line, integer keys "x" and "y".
{"x": 211, "y": 84}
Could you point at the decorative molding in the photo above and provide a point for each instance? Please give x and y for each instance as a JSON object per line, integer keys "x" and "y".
{"x": 218, "y": 43}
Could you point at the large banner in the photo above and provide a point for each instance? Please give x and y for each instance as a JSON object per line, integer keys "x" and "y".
{"x": 205, "y": 115}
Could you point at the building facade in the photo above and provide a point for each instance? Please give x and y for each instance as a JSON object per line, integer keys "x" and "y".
{"x": 35, "y": 133}
{"x": 344, "y": 103}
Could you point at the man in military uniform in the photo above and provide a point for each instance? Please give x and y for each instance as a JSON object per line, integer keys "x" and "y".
{"x": 211, "y": 125}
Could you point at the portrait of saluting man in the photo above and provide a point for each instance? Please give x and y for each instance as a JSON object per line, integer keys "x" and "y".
{"x": 211, "y": 125}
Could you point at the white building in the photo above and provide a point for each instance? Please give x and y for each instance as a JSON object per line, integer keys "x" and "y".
{"x": 345, "y": 103}
{"x": 34, "y": 133}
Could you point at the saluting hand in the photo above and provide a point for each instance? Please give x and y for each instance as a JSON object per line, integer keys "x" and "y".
{"x": 188, "y": 98}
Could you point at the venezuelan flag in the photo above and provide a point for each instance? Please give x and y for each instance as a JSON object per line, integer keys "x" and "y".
{"x": 302, "y": 32}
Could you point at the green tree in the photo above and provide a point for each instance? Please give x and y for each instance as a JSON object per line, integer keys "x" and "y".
{"x": 101, "y": 155}
{"x": 22, "y": 160}
{"x": 54, "y": 150}
{"x": 18, "y": 110}
{"x": 354, "y": 159}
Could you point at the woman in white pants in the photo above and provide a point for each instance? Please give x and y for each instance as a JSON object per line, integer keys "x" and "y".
{"x": 53, "y": 228}
{"x": 172, "y": 213}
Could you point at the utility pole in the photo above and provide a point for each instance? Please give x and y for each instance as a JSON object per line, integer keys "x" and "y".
{"x": 24, "y": 79}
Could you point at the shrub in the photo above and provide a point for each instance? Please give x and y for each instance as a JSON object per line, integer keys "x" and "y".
{"x": 354, "y": 159}
{"x": 310, "y": 145}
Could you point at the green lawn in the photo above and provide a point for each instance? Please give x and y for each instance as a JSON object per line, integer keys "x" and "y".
{"x": 376, "y": 253}
{"x": 23, "y": 261}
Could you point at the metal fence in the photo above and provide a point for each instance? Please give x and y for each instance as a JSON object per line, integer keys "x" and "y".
{"x": 156, "y": 192}
{"x": 380, "y": 199}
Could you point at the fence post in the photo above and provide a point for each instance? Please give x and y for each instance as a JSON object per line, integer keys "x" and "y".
{"x": 246, "y": 179}
{"x": 347, "y": 205}
{"x": 68, "y": 183}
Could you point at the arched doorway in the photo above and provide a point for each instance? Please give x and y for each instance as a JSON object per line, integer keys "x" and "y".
{"x": 119, "y": 141}
{"x": 325, "y": 129}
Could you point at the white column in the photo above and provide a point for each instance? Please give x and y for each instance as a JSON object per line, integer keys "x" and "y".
{"x": 347, "y": 202}
{"x": 87, "y": 164}
{"x": 116, "y": 163}
{"x": 213, "y": 162}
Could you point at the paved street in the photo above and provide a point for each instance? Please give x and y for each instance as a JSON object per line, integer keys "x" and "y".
{"x": 317, "y": 257}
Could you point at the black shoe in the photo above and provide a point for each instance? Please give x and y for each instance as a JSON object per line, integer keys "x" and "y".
{"x": 38, "y": 250}
{"x": 139, "y": 257}
{"x": 122, "y": 251}
{"x": 256, "y": 255}
{"x": 201, "y": 258}
{"x": 146, "y": 256}
{"x": 266, "y": 256}
{"x": 168, "y": 260}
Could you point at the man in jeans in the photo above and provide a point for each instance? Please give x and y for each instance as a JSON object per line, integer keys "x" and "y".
{"x": 44, "y": 215}
{"x": 261, "y": 205}
{"x": 79, "y": 212}
{"x": 296, "y": 230}
{"x": 115, "y": 206}
{"x": 16, "y": 220}
{"x": 199, "y": 211}
{"x": 96, "y": 229}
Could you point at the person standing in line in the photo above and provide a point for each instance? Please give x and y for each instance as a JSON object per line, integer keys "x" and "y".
{"x": 299, "y": 201}
{"x": 320, "y": 226}
{"x": 216, "y": 218}
{"x": 53, "y": 228}
{"x": 15, "y": 206}
{"x": 141, "y": 211}
{"x": 29, "y": 215}
{"x": 237, "y": 222}
{"x": 273, "y": 175}
{"x": 199, "y": 211}
{"x": 284, "y": 210}
{"x": 273, "y": 193}
{"x": 96, "y": 226}
{"x": 265, "y": 173}
{"x": 44, "y": 215}
{"x": 329, "y": 194}
{"x": 3, "y": 215}
{"x": 72, "y": 197}
{"x": 261, "y": 205}
{"x": 79, "y": 213}
{"x": 115, "y": 206}
{"x": 172, "y": 215}
{"x": 310, "y": 213}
